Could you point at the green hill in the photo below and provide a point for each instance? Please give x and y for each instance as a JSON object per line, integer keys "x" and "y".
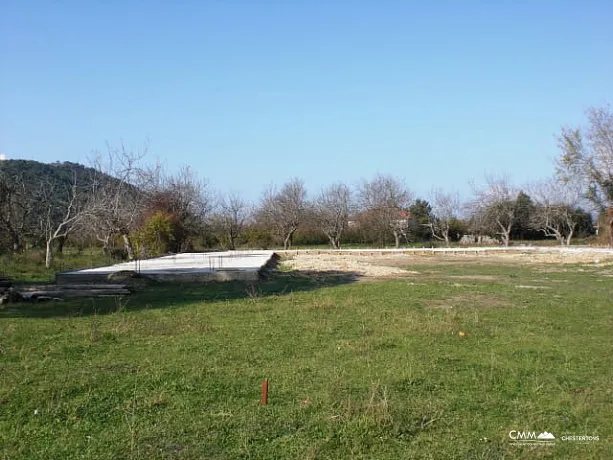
{"x": 26, "y": 189}
{"x": 34, "y": 173}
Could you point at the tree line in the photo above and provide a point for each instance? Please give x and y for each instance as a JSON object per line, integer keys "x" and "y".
{"x": 132, "y": 210}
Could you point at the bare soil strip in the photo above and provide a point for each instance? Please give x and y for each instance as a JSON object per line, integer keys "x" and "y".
{"x": 391, "y": 263}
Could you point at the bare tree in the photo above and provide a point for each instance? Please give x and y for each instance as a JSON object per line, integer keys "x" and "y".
{"x": 284, "y": 210}
{"x": 495, "y": 206}
{"x": 231, "y": 217}
{"x": 61, "y": 212}
{"x": 186, "y": 198}
{"x": 332, "y": 209}
{"x": 555, "y": 212}
{"x": 386, "y": 199}
{"x": 118, "y": 195}
{"x": 445, "y": 209}
{"x": 126, "y": 192}
{"x": 587, "y": 157}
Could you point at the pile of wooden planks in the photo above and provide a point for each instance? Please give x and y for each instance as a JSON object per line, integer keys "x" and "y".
{"x": 11, "y": 293}
{"x": 71, "y": 291}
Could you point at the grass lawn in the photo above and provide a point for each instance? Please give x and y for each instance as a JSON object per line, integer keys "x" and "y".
{"x": 370, "y": 369}
{"x": 30, "y": 266}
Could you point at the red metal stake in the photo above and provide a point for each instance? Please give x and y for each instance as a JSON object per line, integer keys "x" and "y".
{"x": 265, "y": 392}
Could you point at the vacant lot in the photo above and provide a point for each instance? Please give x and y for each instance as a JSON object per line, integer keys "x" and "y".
{"x": 440, "y": 358}
{"x": 394, "y": 264}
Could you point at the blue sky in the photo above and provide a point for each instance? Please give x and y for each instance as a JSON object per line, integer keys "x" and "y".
{"x": 250, "y": 93}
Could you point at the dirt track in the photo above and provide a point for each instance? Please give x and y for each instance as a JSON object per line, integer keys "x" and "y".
{"x": 390, "y": 264}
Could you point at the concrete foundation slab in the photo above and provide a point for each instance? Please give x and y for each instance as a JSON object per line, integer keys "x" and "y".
{"x": 186, "y": 267}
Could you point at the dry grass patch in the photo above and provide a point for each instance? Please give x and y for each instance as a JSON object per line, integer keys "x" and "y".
{"x": 530, "y": 286}
{"x": 469, "y": 300}
{"x": 344, "y": 263}
{"x": 475, "y": 277}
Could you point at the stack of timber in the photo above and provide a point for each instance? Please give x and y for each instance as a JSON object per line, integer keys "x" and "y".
{"x": 71, "y": 291}
{"x": 7, "y": 293}
{"x": 5, "y": 282}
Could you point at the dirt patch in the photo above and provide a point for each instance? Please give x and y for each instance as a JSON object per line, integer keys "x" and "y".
{"x": 474, "y": 277}
{"x": 403, "y": 260}
{"x": 441, "y": 306}
{"x": 389, "y": 264}
{"x": 464, "y": 300}
{"x": 561, "y": 258}
{"x": 363, "y": 265}
{"x": 523, "y": 286}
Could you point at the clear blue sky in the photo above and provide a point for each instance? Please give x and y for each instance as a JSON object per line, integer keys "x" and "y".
{"x": 250, "y": 93}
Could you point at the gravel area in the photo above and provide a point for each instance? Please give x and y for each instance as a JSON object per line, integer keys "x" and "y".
{"x": 389, "y": 264}
{"x": 351, "y": 263}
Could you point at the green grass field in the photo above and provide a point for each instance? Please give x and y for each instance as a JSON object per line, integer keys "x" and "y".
{"x": 30, "y": 266}
{"x": 372, "y": 369}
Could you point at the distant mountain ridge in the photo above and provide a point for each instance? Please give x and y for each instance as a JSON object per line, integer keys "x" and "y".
{"x": 60, "y": 174}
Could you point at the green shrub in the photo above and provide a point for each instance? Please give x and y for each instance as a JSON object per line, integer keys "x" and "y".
{"x": 157, "y": 234}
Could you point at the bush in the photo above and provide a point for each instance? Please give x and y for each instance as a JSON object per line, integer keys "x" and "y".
{"x": 256, "y": 237}
{"x": 157, "y": 234}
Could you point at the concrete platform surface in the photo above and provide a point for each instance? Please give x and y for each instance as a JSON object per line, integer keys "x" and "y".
{"x": 206, "y": 266}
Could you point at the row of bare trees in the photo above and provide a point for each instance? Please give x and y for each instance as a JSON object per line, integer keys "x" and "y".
{"x": 149, "y": 212}
{"x": 385, "y": 208}
{"x": 583, "y": 180}
{"x": 136, "y": 209}
{"x": 551, "y": 207}
{"x": 555, "y": 207}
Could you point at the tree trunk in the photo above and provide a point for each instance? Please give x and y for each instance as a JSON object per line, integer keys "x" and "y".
{"x": 48, "y": 254}
{"x": 333, "y": 241}
{"x": 570, "y": 236}
{"x": 287, "y": 242}
{"x": 127, "y": 244}
{"x": 506, "y": 233}
{"x": 557, "y": 234}
{"x": 60, "y": 244}
{"x": 231, "y": 244}
{"x": 397, "y": 240}
{"x": 16, "y": 241}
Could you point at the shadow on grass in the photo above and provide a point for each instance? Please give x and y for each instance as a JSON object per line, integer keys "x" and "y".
{"x": 165, "y": 295}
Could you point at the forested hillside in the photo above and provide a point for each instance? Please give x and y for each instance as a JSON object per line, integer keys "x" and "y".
{"x": 33, "y": 194}
{"x": 117, "y": 205}
{"x": 34, "y": 173}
